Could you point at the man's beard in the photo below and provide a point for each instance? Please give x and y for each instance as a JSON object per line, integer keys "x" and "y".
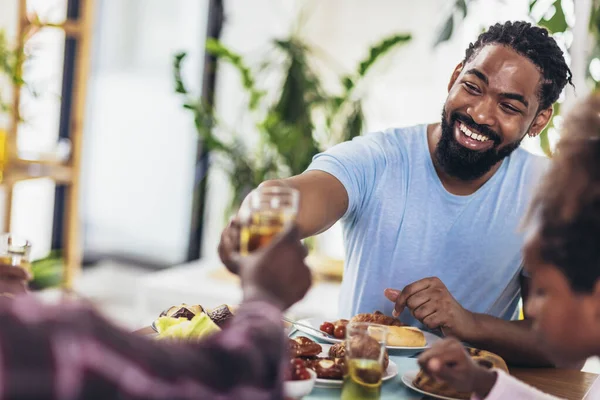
{"x": 462, "y": 163}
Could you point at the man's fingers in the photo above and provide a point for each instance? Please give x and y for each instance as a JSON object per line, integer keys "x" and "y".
{"x": 290, "y": 233}
{"x": 424, "y": 310}
{"x": 434, "y": 365}
{"x": 435, "y": 351}
{"x": 391, "y": 294}
{"x": 433, "y": 321}
{"x": 9, "y": 272}
{"x": 407, "y": 292}
{"x": 418, "y": 299}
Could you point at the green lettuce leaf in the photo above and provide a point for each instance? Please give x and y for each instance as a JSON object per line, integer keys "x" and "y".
{"x": 197, "y": 328}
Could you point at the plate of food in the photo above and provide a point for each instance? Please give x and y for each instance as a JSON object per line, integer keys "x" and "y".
{"x": 400, "y": 337}
{"x": 191, "y": 321}
{"x": 328, "y": 361}
{"x": 420, "y": 382}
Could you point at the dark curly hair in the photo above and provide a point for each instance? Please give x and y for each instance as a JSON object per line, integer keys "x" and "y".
{"x": 566, "y": 208}
{"x": 537, "y": 45}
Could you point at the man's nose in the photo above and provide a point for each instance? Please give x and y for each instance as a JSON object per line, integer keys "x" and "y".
{"x": 483, "y": 112}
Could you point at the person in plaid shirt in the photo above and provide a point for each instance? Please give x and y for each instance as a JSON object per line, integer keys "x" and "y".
{"x": 69, "y": 351}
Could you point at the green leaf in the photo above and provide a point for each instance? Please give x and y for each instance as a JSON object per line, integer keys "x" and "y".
{"x": 462, "y": 6}
{"x": 354, "y": 123}
{"x": 558, "y": 22}
{"x": 381, "y": 49}
{"x": 446, "y": 32}
{"x": 219, "y": 50}
{"x": 179, "y": 84}
{"x": 532, "y": 4}
{"x": 347, "y": 83}
{"x": 594, "y": 24}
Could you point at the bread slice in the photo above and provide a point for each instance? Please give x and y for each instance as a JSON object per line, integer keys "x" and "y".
{"x": 405, "y": 336}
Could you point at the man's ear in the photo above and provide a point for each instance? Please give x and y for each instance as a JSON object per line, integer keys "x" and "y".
{"x": 457, "y": 70}
{"x": 540, "y": 121}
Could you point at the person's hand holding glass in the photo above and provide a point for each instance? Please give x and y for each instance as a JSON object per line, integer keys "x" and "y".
{"x": 15, "y": 266}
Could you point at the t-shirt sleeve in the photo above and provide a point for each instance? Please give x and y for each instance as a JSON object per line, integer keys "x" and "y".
{"x": 357, "y": 164}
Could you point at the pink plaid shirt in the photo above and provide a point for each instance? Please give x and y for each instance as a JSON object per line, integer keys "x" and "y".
{"x": 71, "y": 352}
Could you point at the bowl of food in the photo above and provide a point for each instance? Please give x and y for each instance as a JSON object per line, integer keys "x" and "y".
{"x": 300, "y": 380}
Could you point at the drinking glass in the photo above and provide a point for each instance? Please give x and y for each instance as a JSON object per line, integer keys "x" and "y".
{"x": 14, "y": 251}
{"x": 365, "y": 352}
{"x": 264, "y": 214}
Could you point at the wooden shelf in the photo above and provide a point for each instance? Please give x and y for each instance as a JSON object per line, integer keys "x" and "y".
{"x": 78, "y": 30}
{"x": 23, "y": 171}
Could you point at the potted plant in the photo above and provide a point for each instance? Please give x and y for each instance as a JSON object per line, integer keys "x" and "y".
{"x": 286, "y": 124}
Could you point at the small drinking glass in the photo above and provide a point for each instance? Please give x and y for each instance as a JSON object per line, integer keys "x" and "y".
{"x": 15, "y": 251}
{"x": 365, "y": 352}
{"x": 264, "y": 214}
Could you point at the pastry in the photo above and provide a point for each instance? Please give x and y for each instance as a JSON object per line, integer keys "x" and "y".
{"x": 482, "y": 357}
{"x": 221, "y": 315}
{"x": 376, "y": 318}
{"x": 364, "y": 347}
{"x": 304, "y": 347}
{"x": 182, "y": 311}
{"x": 328, "y": 369}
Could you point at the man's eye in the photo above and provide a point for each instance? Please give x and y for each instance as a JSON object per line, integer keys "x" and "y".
{"x": 509, "y": 108}
{"x": 470, "y": 87}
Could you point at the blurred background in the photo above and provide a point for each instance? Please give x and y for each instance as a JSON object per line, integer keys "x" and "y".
{"x": 131, "y": 130}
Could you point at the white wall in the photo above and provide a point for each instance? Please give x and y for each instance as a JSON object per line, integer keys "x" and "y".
{"x": 140, "y": 143}
{"x": 407, "y": 88}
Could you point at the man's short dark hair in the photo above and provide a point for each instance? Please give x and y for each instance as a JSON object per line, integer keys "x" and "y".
{"x": 538, "y": 46}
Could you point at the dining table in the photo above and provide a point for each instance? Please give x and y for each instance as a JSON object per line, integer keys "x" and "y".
{"x": 563, "y": 383}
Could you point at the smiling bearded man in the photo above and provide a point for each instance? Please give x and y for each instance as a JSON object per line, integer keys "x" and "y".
{"x": 431, "y": 212}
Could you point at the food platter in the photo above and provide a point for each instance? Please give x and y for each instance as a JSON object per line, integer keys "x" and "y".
{"x": 430, "y": 338}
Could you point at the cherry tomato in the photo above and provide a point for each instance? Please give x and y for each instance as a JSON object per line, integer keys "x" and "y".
{"x": 302, "y": 374}
{"x": 340, "y": 332}
{"x": 327, "y": 327}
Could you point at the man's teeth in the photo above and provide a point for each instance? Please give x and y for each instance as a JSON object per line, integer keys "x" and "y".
{"x": 472, "y": 134}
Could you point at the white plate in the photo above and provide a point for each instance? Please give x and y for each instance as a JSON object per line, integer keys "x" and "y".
{"x": 430, "y": 338}
{"x": 390, "y": 372}
{"x": 408, "y": 379}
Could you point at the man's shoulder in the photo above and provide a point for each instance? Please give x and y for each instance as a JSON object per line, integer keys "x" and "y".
{"x": 405, "y": 133}
{"x": 399, "y": 138}
{"x": 529, "y": 162}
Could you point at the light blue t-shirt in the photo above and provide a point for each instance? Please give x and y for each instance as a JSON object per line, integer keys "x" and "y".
{"x": 402, "y": 225}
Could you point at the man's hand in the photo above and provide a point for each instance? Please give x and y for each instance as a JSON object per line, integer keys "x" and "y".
{"x": 13, "y": 280}
{"x": 431, "y": 303}
{"x": 447, "y": 361}
{"x": 229, "y": 245}
{"x": 277, "y": 272}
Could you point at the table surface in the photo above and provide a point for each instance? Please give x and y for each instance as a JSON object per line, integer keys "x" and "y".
{"x": 562, "y": 383}
{"x": 566, "y": 384}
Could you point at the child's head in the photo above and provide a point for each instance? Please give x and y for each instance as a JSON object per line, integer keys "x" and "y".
{"x": 562, "y": 254}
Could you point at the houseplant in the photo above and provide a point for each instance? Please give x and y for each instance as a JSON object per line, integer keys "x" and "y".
{"x": 286, "y": 124}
